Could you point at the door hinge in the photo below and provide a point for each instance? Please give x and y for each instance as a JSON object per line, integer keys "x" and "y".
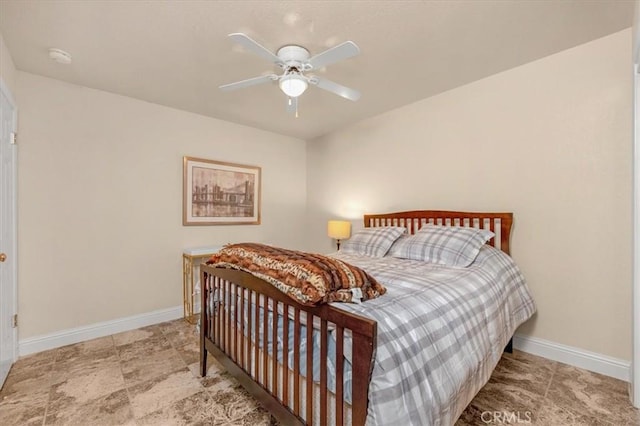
{"x": 13, "y": 139}
{"x": 15, "y": 320}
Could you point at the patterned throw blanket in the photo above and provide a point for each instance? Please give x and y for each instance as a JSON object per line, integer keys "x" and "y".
{"x": 310, "y": 279}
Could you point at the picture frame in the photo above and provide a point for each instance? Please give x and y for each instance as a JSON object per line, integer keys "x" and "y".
{"x": 220, "y": 193}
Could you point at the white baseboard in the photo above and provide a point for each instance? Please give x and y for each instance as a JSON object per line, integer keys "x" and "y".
{"x": 80, "y": 334}
{"x": 580, "y": 358}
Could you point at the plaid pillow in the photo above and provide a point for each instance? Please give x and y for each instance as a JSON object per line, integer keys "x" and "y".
{"x": 445, "y": 245}
{"x": 374, "y": 242}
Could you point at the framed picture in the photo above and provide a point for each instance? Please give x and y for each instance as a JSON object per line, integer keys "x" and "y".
{"x": 218, "y": 193}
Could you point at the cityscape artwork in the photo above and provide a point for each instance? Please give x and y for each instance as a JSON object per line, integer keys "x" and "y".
{"x": 219, "y": 193}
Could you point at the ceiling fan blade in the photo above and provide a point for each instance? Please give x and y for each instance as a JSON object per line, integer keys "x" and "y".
{"x": 255, "y": 47}
{"x": 248, "y": 82}
{"x": 338, "y": 89}
{"x": 335, "y": 54}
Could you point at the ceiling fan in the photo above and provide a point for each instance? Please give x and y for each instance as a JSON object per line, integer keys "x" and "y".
{"x": 295, "y": 61}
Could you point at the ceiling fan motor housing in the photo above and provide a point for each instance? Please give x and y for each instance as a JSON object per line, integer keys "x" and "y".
{"x": 294, "y": 56}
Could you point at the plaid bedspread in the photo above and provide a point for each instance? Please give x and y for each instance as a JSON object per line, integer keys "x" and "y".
{"x": 441, "y": 332}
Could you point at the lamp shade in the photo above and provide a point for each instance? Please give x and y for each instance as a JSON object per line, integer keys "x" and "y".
{"x": 339, "y": 229}
{"x": 293, "y": 85}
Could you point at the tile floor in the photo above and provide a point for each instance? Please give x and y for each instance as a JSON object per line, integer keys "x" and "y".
{"x": 150, "y": 376}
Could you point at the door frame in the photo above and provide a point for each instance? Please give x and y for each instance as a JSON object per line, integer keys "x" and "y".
{"x": 635, "y": 326}
{"x": 14, "y": 249}
{"x": 635, "y": 379}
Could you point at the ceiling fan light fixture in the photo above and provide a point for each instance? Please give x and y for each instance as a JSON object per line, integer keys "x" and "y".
{"x": 293, "y": 85}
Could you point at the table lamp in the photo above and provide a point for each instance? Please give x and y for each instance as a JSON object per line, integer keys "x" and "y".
{"x": 339, "y": 230}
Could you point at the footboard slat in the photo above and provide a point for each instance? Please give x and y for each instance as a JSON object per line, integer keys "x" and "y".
{"x": 309, "y": 372}
{"x": 228, "y": 322}
{"x": 234, "y": 316}
{"x": 296, "y": 361}
{"x": 285, "y": 355}
{"x": 222, "y": 307}
{"x": 225, "y": 313}
{"x": 274, "y": 352}
{"x": 256, "y": 359}
{"x": 323, "y": 372}
{"x": 265, "y": 342}
{"x": 216, "y": 310}
{"x": 244, "y": 310}
{"x": 242, "y": 320}
{"x": 339, "y": 375}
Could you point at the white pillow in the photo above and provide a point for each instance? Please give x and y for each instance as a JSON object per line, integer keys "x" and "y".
{"x": 374, "y": 242}
{"x": 445, "y": 245}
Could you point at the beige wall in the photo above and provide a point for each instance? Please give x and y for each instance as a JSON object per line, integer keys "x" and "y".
{"x": 636, "y": 32}
{"x": 7, "y": 68}
{"x": 550, "y": 141}
{"x": 100, "y": 201}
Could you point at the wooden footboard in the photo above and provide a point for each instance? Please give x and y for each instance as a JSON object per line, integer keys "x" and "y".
{"x": 235, "y": 329}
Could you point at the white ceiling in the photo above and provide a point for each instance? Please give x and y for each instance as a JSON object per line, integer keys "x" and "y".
{"x": 177, "y": 53}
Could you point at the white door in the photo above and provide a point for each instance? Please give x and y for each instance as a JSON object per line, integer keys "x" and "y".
{"x": 8, "y": 264}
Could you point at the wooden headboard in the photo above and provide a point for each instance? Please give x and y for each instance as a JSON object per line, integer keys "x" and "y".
{"x": 498, "y": 223}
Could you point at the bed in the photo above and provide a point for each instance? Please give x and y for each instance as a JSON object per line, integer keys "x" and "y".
{"x": 261, "y": 335}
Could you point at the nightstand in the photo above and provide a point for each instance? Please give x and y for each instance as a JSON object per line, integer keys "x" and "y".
{"x": 191, "y": 259}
